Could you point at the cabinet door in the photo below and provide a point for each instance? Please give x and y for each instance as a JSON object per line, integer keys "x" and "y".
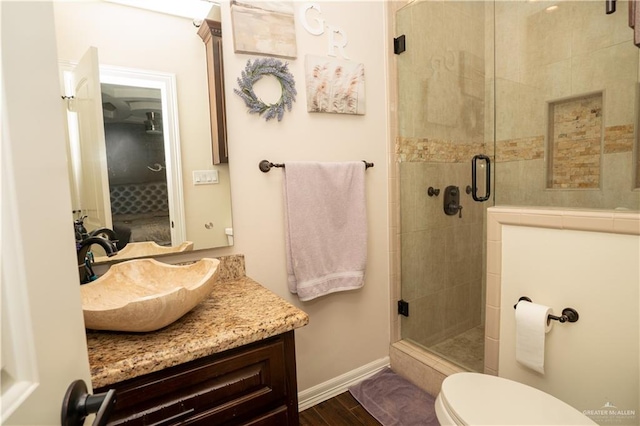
{"x": 227, "y": 388}
{"x": 211, "y": 33}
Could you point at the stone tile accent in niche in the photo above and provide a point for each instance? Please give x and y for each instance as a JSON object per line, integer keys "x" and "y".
{"x": 575, "y": 142}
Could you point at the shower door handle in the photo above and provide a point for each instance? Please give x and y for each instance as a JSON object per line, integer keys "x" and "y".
{"x": 474, "y": 177}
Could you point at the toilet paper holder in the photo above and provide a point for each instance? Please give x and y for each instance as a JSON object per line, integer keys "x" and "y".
{"x": 568, "y": 314}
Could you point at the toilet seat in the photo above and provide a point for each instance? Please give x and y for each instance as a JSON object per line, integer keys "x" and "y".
{"x": 482, "y": 399}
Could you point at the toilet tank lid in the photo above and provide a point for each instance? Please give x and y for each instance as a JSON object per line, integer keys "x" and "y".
{"x": 482, "y": 399}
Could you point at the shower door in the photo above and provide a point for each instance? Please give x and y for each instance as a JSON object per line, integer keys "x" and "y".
{"x": 444, "y": 120}
{"x": 549, "y": 92}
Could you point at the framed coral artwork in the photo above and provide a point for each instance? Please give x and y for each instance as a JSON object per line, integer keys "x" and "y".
{"x": 334, "y": 85}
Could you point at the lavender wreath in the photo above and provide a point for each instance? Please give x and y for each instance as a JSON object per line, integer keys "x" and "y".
{"x": 254, "y": 72}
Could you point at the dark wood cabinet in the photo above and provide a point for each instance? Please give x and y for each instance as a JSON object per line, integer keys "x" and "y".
{"x": 211, "y": 33}
{"x": 251, "y": 385}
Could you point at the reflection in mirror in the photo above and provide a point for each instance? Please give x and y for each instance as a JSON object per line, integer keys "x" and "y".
{"x": 137, "y": 39}
{"x": 117, "y": 136}
{"x": 136, "y": 164}
{"x": 140, "y": 180}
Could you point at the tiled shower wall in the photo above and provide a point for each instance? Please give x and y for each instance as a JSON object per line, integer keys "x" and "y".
{"x": 441, "y": 85}
{"x": 442, "y": 256}
{"x": 553, "y": 57}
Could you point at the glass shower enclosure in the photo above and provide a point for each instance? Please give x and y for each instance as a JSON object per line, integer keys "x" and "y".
{"x": 544, "y": 96}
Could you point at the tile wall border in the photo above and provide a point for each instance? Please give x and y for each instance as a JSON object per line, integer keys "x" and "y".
{"x": 609, "y": 221}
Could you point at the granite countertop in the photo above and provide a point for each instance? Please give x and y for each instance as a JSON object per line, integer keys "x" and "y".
{"x": 238, "y": 312}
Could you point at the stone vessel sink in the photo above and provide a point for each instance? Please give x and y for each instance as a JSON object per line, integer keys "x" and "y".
{"x": 146, "y": 295}
{"x": 145, "y": 249}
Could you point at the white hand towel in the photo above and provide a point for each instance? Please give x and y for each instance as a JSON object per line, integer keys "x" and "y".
{"x": 531, "y": 330}
{"x": 325, "y": 227}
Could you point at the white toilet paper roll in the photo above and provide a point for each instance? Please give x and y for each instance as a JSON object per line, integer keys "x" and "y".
{"x": 531, "y": 327}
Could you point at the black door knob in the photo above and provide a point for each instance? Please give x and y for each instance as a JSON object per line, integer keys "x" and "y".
{"x": 78, "y": 404}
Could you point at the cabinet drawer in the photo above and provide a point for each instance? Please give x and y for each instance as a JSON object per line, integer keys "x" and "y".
{"x": 276, "y": 417}
{"x": 238, "y": 384}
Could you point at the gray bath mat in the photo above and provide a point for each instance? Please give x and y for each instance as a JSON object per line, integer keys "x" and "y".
{"x": 394, "y": 401}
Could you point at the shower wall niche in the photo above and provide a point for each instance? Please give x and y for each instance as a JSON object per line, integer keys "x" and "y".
{"x": 574, "y": 143}
{"x": 566, "y": 77}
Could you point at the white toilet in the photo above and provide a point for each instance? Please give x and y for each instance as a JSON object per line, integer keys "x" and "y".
{"x": 482, "y": 399}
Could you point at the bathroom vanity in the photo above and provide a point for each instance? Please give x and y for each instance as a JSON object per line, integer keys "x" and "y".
{"x": 231, "y": 360}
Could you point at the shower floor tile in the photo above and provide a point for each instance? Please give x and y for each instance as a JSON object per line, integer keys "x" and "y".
{"x": 465, "y": 349}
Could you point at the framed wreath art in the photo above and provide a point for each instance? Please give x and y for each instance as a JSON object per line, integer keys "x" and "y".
{"x": 253, "y": 72}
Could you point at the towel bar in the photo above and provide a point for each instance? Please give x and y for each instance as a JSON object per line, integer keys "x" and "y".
{"x": 568, "y": 314}
{"x": 266, "y": 165}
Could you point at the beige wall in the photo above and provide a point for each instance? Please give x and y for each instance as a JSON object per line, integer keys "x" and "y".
{"x": 590, "y": 262}
{"x": 134, "y": 38}
{"x": 598, "y": 275}
{"x": 350, "y": 329}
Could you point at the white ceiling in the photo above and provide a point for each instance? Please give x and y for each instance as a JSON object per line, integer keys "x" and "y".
{"x": 128, "y": 104}
{"x": 192, "y": 9}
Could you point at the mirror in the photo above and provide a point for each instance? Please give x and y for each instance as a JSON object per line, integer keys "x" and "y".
{"x": 128, "y": 38}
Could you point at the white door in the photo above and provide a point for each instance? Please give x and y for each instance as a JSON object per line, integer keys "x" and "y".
{"x": 94, "y": 179}
{"x": 43, "y": 337}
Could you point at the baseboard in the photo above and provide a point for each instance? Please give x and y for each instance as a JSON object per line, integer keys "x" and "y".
{"x": 320, "y": 393}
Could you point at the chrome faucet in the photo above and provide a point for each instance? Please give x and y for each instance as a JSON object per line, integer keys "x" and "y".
{"x": 85, "y": 257}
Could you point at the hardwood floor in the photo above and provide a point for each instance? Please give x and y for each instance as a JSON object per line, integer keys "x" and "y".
{"x": 342, "y": 410}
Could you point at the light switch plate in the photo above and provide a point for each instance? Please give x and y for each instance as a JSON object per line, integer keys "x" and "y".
{"x": 205, "y": 177}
